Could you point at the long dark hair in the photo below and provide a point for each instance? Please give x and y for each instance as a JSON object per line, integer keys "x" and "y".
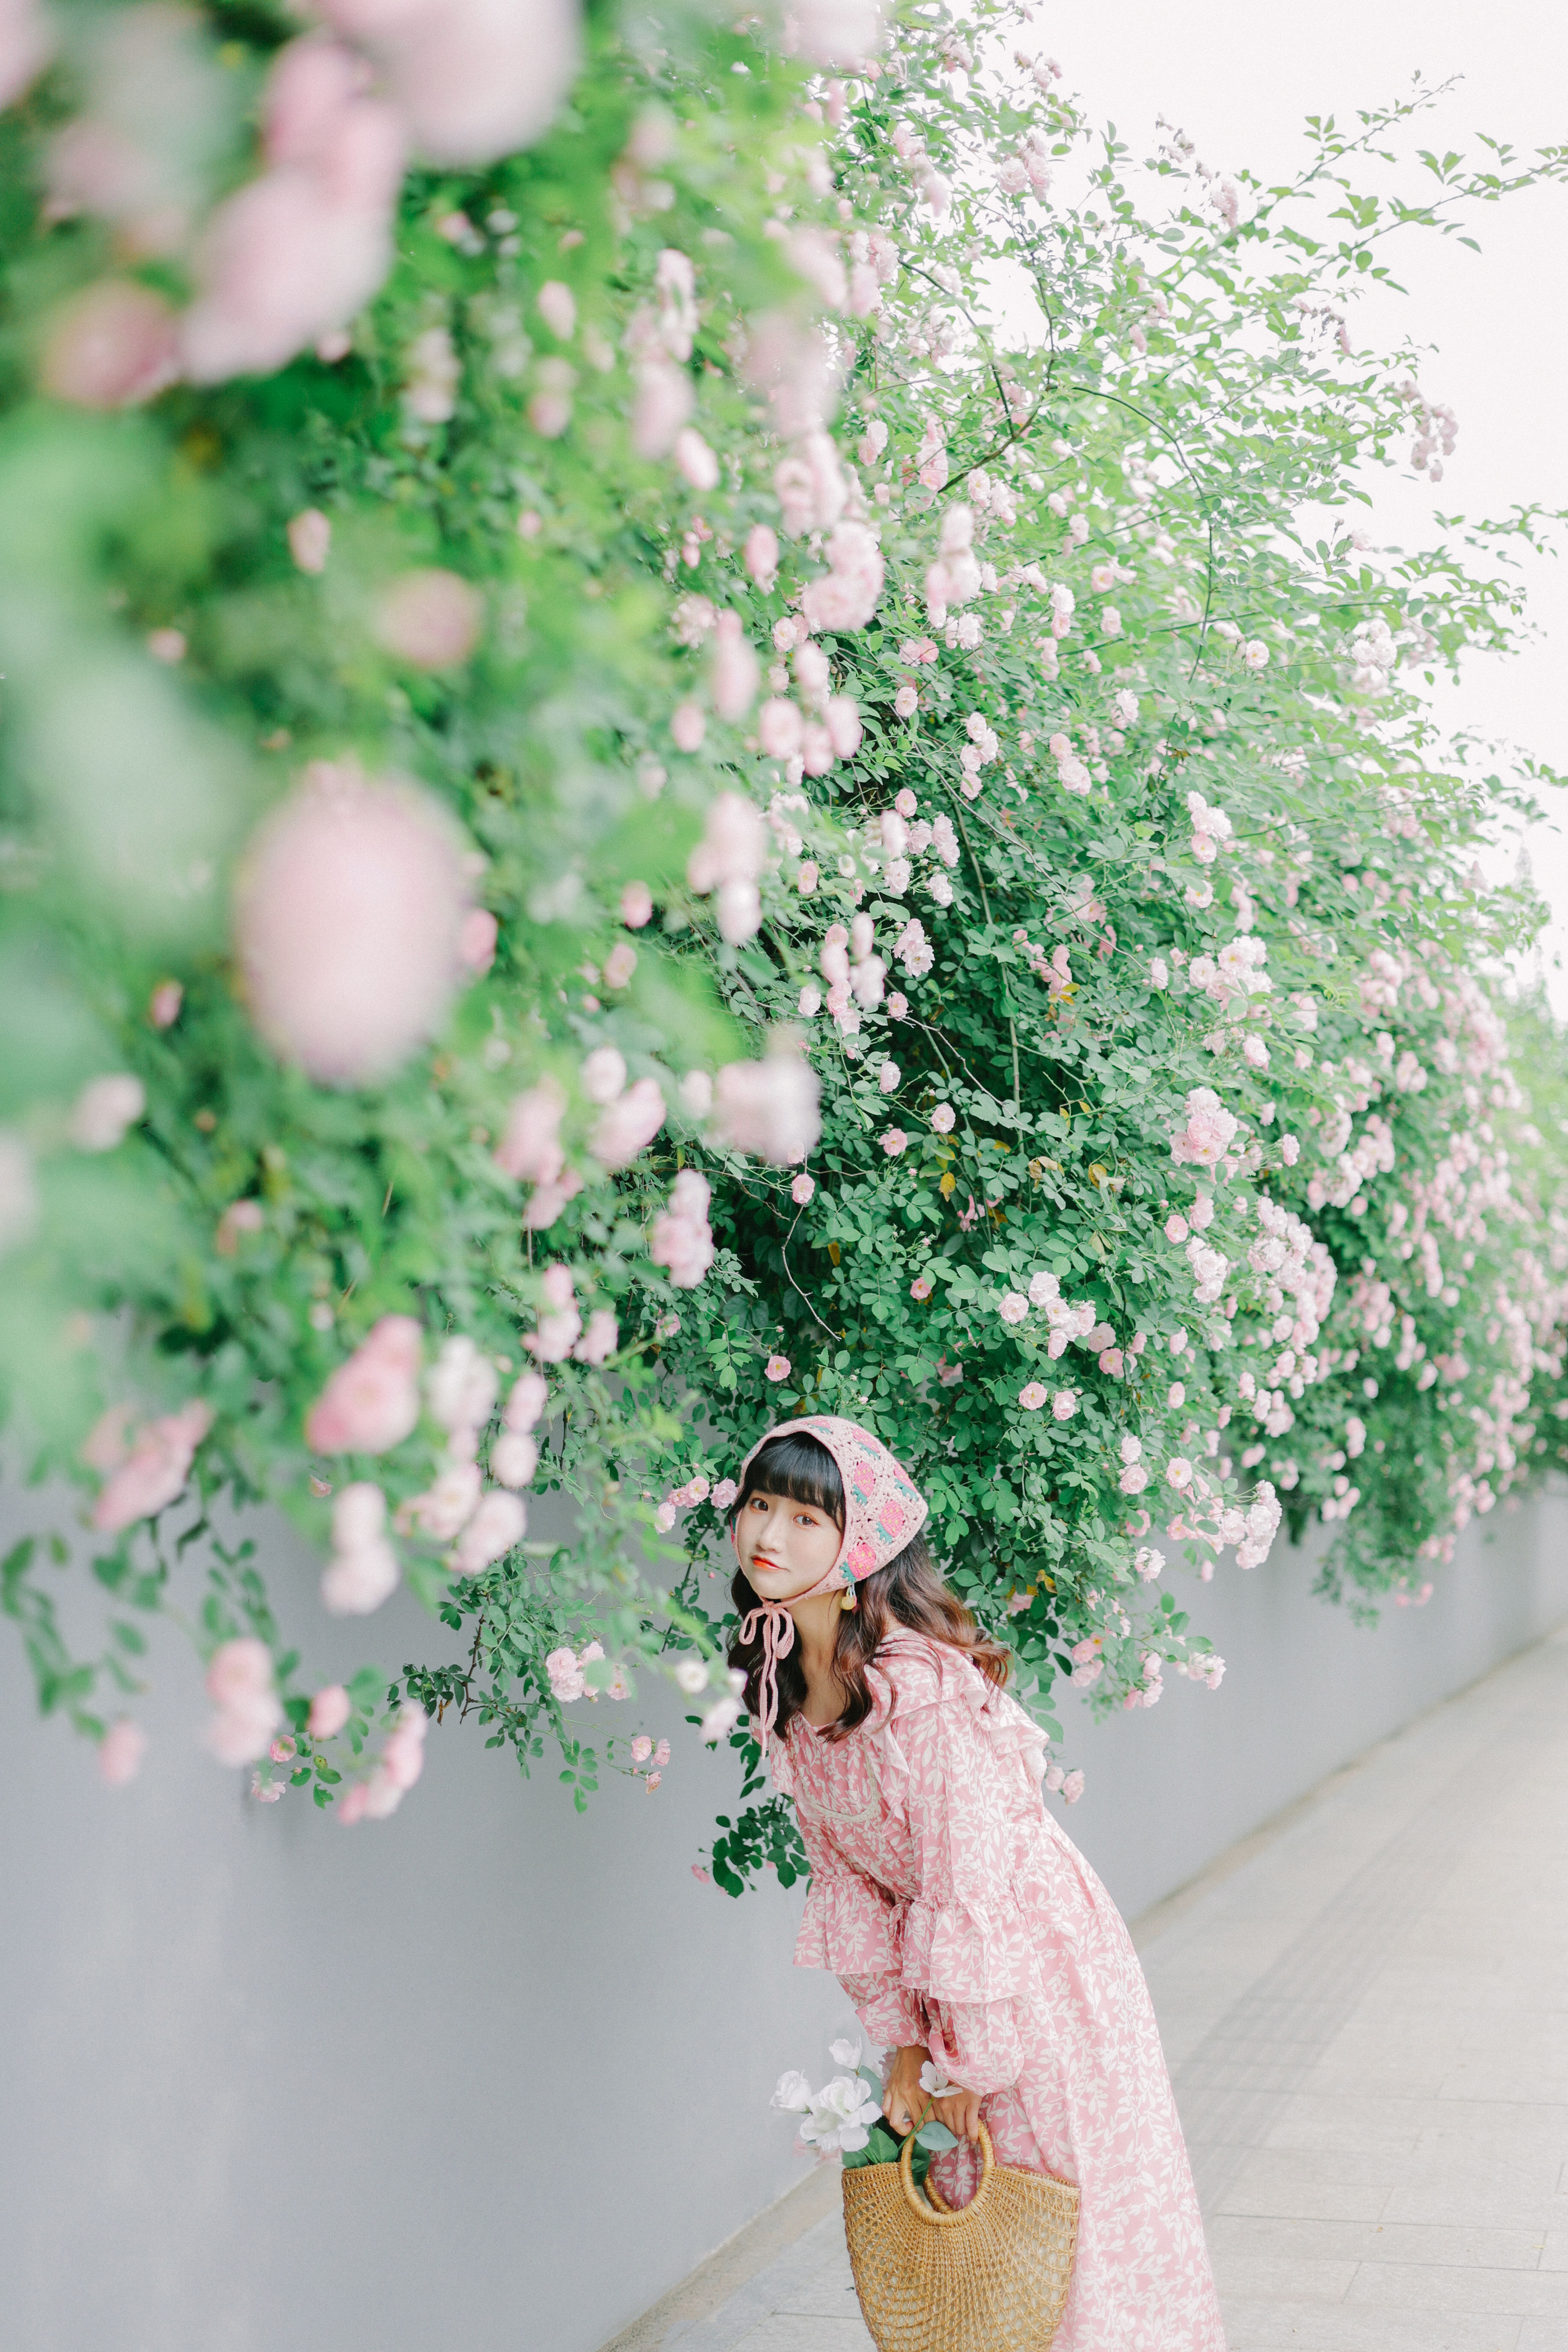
{"x": 909, "y": 1591}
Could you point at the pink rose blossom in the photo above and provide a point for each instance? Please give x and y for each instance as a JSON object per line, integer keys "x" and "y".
{"x": 310, "y": 540}
{"x": 898, "y": 1007}
{"x": 528, "y": 1397}
{"x": 529, "y": 1148}
{"x": 349, "y": 918}
{"x": 735, "y": 672}
{"x": 642, "y": 1749}
{"x": 801, "y": 1190}
{"x": 119, "y": 1753}
{"x": 557, "y": 306}
{"x": 922, "y": 1287}
{"x": 694, "y": 460}
{"x": 474, "y": 79}
{"x": 113, "y": 347}
{"x": 565, "y": 1675}
{"x": 637, "y": 906}
{"x": 653, "y": 1782}
{"x": 403, "y": 1757}
{"x": 430, "y": 619}
{"x": 769, "y": 1109}
{"x": 906, "y": 702}
{"x": 724, "y": 1494}
{"x": 104, "y": 1111}
{"x": 500, "y": 1523}
{"x": 1289, "y": 1151}
{"x": 514, "y": 1458}
{"x": 1032, "y": 1397}
{"x": 248, "y": 1710}
{"x": 1179, "y": 1472}
{"x": 779, "y": 729}
{"x": 477, "y": 939}
{"x": 777, "y": 1367}
{"x": 1073, "y": 1787}
{"x": 329, "y": 1710}
{"x": 1013, "y": 1306}
{"x": 895, "y": 1141}
{"x": 372, "y": 1402}
{"x": 628, "y": 1124}
{"x": 239, "y": 1217}
{"x": 762, "y": 555}
{"x": 663, "y": 402}
{"x": 1064, "y": 1404}
{"x": 687, "y": 726}
{"x": 351, "y": 1805}
{"x": 600, "y": 1339}
{"x": 154, "y": 1471}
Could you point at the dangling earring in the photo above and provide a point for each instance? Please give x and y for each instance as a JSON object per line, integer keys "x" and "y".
{"x": 846, "y": 1601}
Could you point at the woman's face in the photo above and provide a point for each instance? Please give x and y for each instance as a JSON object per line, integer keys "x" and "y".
{"x": 784, "y": 1547}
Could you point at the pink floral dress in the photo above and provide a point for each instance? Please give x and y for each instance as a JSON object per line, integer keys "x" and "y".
{"x": 956, "y": 1913}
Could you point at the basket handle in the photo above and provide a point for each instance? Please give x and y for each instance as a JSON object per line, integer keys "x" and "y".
{"x": 917, "y": 2203}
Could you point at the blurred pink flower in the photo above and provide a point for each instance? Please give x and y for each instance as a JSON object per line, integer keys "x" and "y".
{"x": 372, "y": 1402}
{"x": 477, "y": 940}
{"x": 687, "y": 726}
{"x": 26, "y": 45}
{"x": 777, "y": 1367}
{"x": 701, "y": 1875}
{"x": 329, "y": 1710}
{"x": 768, "y": 1109}
{"x": 403, "y": 1757}
{"x": 695, "y": 460}
{"x": 530, "y": 1149}
{"x": 497, "y": 1525}
{"x": 514, "y": 1458}
{"x": 637, "y": 906}
{"x": 600, "y": 1339}
{"x": 298, "y": 251}
{"x": 430, "y": 618}
{"x": 310, "y": 540}
{"x": 154, "y": 1471}
{"x": 1072, "y": 1787}
{"x": 628, "y": 1124}
{"x": 736, "y": 670}
{"x": 248, "y": 1710}
{"x": 474, "y": 79}
{"x": 164, "y": 1004}
{"x": 620, "y": 964}
{"x": 761, "y": 554}
{"x": 119, "y": 1753}
{"x": 652, "y": 1782}
{"x": 169, "y": 645}
{"x": 661, "y": 1753}
{"x": 349, "y": 913}
{"x": 239, "y": 1217}
{"x": 680, "y": 1238}
{"x": 350, "y": 1806}
{"x": 664, "y": 400}
{"x": 529, "y": 1395}
{"x": 112, "y": 347}
{"x": 104, "y": 1110}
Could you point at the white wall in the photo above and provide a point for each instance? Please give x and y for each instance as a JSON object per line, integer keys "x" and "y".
{"x": 489, "y": 2074}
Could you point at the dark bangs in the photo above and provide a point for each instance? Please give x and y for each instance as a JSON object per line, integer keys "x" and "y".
{"x": 801, "y": 1469}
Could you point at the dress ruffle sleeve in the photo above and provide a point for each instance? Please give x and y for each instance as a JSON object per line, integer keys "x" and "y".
{"x": 961, "y": 1762}
{"x": 855, "y": 1927}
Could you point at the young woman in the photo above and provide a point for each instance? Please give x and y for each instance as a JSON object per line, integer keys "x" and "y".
{"x": 962, "y": 1922}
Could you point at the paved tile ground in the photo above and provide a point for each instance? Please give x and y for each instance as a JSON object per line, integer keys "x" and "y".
{"x": 1367, "y": 2023}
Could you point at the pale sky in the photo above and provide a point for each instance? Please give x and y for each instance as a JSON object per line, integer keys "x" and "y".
{"x": 1239, "y": 81}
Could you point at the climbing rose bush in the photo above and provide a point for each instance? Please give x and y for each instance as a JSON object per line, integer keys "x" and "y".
{"x": 723, "y": 747}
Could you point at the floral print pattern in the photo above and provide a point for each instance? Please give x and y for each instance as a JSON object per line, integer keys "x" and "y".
{"x": 957, "y": 1913}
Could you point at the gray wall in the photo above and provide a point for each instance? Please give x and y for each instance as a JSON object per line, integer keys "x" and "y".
{"x": 1306, "y": 1690}
{"x": 487, "y": 2072}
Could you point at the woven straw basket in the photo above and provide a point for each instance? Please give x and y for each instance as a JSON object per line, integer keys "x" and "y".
{"x": 991, "y": 2276}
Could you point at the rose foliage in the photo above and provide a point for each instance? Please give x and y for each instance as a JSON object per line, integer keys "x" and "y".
{"x": 695, "y": 726}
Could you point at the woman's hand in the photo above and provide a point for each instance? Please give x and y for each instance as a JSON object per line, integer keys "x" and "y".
{"x": 905, "y": 2104}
